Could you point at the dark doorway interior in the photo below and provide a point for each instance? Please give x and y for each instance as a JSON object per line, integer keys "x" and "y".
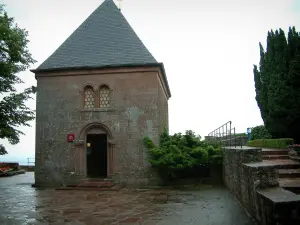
{"x": 97, "y": 155}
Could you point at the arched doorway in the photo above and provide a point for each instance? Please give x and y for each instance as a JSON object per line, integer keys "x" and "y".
{"x": 96, "y": 154}
{"x": 98, "y": 150}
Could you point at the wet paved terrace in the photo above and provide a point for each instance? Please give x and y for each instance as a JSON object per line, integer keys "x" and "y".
{"x": 21, "y": 204}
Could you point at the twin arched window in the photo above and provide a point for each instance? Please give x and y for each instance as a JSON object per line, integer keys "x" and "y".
{"x": 95, "y": 99}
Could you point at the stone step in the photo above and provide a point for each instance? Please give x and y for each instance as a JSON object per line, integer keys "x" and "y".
{"x": 78, "y": 188}
{"x": 291, "y": 184}
{"x": 289, "y": 173}
{"x": 284, "y": 164}
{"x": 279, "y": 206}
{"x": 96, "y": 184}
{"x": 266, "y": 151}
{"x": 275, "y": 157}
{"x": 93, "y": 183}
{"x": 96, "y": 179}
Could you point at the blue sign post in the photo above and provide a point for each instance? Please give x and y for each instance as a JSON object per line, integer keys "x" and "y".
{"x": 249, "y": 133}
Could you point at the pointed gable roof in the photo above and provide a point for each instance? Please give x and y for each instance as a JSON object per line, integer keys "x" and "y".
{"x": 105, "y": 38}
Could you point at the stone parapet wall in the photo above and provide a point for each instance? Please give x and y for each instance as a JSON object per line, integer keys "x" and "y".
{"x": 27, "y": 168}
{"x": 253, "y": 179}
{"x": 256, "y": 184}
{"x": 235, "y": 141}
{"x": 237, "y": 177}
{"x": 243, "y": 180}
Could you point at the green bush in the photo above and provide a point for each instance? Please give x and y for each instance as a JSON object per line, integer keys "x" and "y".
{"x": 259, "y": 132}
{"x": 181, "y": 155}
{"x": 148, "y": 143}
{"x": 271, "y": 143}
{"x": 283, "y": 142}
{"x": 215, "y": 155}
{"x": 199, "y": 156}
{"x": 213, "y": 142}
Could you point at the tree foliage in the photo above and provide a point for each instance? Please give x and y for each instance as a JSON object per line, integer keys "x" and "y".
{"x": 277, "y": 84}
{"x": 14, "y": 58}
{"x": 181, "y": 153}
{"x": 260, "y": 132}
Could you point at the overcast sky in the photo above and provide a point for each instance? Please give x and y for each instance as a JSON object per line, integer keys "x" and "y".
{"x": 208, "y": 48}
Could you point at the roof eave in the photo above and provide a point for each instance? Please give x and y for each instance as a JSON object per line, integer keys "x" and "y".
{"x": 161, "y": 65}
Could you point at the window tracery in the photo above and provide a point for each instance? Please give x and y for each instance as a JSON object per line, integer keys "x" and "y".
{"x": 89, "y": 98}
{"x": 104, "y": 97}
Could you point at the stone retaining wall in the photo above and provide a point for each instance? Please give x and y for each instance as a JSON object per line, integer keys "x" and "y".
{"x": 235, "y": 141}
{"x": 243, "y": 178}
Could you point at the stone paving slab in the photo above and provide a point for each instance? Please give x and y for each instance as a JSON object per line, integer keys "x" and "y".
{"x": 22, "y": 204}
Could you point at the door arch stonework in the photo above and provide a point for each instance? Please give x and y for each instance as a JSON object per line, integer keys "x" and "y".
{"x": 80, "y": 147}
{"x": 94, "y": 125}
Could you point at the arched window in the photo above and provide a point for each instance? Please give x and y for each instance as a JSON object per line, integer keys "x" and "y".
{"x": 89, "y": 97}
{"x": 104, "y": 96}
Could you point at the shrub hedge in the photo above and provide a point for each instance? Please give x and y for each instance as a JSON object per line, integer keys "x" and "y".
{"x": 260, "y": 132}
{"x": 271, "y": 143}
{"x": 181, "y": 156}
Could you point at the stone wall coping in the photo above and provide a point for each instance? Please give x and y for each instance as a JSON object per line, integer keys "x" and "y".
{"x": 258, "y": 165}
{"x": 244, "y": 148}
{"x": 274, "y": 163}
{"x": 279, "y": 195}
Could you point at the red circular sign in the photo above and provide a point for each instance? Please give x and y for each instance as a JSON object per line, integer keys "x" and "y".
{"x": 71, "y": 137}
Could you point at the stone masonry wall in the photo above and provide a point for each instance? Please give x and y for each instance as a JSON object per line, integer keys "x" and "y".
{"x": 162, "y": 108}
{"x": 138, "y": 104}
{"x": 243, "y": 178}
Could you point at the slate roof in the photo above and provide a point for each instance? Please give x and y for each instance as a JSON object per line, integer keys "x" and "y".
{"x": 105, "y": 38}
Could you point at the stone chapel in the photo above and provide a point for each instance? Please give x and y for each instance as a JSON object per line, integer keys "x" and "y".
{"x": 98, "y": 95}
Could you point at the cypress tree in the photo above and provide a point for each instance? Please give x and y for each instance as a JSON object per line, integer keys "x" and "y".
{"x": 277, "y": 84}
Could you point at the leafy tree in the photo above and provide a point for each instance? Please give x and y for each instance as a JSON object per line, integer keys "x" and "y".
{"x": 260, "y": 132}
{"x": 14, "y": 58}
{"x": 277, "y": 84}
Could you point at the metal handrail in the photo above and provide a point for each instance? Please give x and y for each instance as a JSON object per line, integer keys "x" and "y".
{"x": 219, "y": 128}
{"x": 225, "y": 131}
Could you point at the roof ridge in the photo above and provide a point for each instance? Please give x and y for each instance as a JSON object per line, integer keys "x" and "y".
{"x": 104, "y": 38}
